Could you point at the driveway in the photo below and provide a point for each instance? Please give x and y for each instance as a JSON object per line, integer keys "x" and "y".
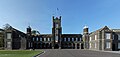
{"x": 76, "y": 53}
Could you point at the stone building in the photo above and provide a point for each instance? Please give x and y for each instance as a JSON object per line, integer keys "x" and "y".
{"x": 1, "y": 38}
{"x": 104, "y": 39}
{"x": 14, "y": 39}
{"x": 56, "y": 40}
{"x": 101, "y": 39}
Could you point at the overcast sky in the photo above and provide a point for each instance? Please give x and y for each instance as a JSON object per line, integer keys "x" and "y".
{"x": 75, "y": 14}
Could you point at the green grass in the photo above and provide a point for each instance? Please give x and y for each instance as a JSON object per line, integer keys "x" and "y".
{"x": 18, "y": 53}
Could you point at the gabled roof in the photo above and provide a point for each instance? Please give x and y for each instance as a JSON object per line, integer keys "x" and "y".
{"x": 104, "y": 28}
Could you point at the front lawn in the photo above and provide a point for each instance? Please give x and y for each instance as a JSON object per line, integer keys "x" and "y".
{"x": 18, "y": 53}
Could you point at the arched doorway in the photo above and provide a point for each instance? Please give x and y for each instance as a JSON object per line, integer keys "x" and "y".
{"x": 56, "y": 46}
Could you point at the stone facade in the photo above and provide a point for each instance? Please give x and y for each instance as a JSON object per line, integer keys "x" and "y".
{"x": 14, "y": 39}
{"x": 1, "y": 38}
{"x": 56, "y": 40}
{"x": 101, "y": 39}
{"x": 104, "y": 39}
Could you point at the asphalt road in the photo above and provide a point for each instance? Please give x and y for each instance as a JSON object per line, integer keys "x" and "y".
{"x": 76, "y": 53}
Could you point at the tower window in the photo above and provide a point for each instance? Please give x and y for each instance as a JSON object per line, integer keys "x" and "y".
{"x": 56, "y": 38}
{"x": 56, "y": 25}
{"x": 56, "y": 31}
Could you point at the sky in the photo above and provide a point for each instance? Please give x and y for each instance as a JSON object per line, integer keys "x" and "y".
{"x": 75, "y": 14}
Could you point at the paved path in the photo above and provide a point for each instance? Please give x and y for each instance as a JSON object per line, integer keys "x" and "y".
{"x": 76, "y": 53}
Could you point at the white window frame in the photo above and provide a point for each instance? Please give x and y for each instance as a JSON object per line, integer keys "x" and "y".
{"x": 107, "y": 35}
{"x": 44, "y": 39}
{"x": 48, "y": 39}
{"x": 95, "y": 37}
{"x": 95, "y": 45}
{"x": 90, "y": 38}
{"x": 108, "y": 44}
{"x": 9, "y": 35}
{"x": 8, "y": 44}
{"x": 90, "y": 45}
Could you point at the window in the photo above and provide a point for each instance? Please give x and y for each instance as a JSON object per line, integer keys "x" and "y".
{"x": 90, "y": 45}
{"x": 95, "y": 45}
{"x": 64, "y": 39}
{"x": 56, "y": 25}
{"x": 76, "y": 39}
{"x": 56, "y": 38}
{"x": 29, "y": 44}
{"x": 56, "y": 31}
{"x": 107, "y": 44}
{"x": 8, "y": 44}
{"x": 80, "y": 39}
{"x": 48, "y": 39}
{"x": 72, "y": 39}
{"x": 90, "y": 38}
{"x": 95, "y": 37}
{"x": 33, "y": 39}
{"x": 68, "y": 39}
{"x": 118, "y": 36}
{"x": 9, "y": 35}
{"x": 107, "y": 35}
{"x": 113, "y": 37}
{"x": 118, "y": 45}
{"x": 37, "y": 39}
{"x": 44, "y": 39}
{"x": 40, "y": 39}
